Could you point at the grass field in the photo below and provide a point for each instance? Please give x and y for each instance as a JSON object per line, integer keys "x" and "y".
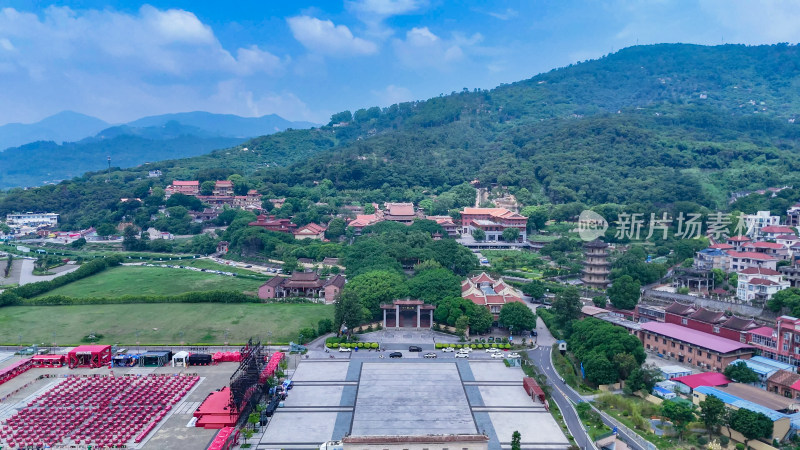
{"x": 126, "y": 280}
{"x": 209, "y": 264}
{"x": 158, "y": 323}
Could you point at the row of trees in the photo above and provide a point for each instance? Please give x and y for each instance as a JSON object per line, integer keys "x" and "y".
{"x": 715, "y": 415}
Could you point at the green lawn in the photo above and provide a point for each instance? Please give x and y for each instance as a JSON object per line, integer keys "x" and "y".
{"x": 209, "y": 264}
{"x": 158, "y": 323}
{"x": 126, "y": 280}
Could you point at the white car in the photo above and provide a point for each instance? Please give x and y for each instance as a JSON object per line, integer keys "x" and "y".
{"x": 492, "y": 350}
{"x": 465, "y": 349}
{"x": 462, "y": 355}
{"x": 448, "y": 349}
{"x": 345, "y": 349}
{"x": 497, "y": 356}
{"x": 514, "y": 355}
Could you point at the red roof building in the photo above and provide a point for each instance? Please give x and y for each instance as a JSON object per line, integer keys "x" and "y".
{"x": 773, "y": 231}
{"x": 311, "y": 231}
{"x": 183, "y": 187}
{"x": 703, "y": 379}
{"x": 363, "y": 220}
{"x": 692, "y": 346}
{"x": 485, "y": 291}
{"x": 493, "y": 221}
{"x": 399, "y": 212}
{"x": 223, "y": 188}
{"x": 774, "y": 249}
{"x": 781, "y": 343}
{"x": 273, "y": 224}
{"x": 743, "y": 260}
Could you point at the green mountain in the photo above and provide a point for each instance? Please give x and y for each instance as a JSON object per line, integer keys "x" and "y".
{"x": 224, "y": 125}
{"x": 651, "y": 125}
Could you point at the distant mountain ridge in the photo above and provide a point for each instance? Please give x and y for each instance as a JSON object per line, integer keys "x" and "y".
{"x": 68, "y": 144}
{"x": 66, "y": 126}
{"x": 224, "y": 125}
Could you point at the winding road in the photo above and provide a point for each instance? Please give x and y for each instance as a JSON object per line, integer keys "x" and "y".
{"x": 566, "y": 398}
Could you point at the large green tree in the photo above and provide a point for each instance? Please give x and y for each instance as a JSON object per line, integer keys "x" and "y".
{"x": 679, "y": 413}
{"x": 643, "y": 379}
{"x": 348, "y": 311}
{"x": 434, "y": 285}
{"x": 566, "y": 307}
{"x": 377, "y": 287}
{"x": 516, "y": 316}
{"x": 510, "y": 234}
{"x": 752, "y": 425}
{"x": 712, "y": 413}
{"x": 624, "y": 292}
{"x": 740, "y": 373}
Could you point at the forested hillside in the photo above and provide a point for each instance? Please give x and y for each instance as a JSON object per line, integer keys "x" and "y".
{"x": 651, "y": 125}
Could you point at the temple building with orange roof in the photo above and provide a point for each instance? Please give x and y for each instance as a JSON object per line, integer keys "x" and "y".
{"x": 493, "y": 221}
{"x": 493, "y": 294}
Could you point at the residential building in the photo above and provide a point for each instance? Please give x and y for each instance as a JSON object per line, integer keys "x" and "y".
{"x": 792, "y": 274}
{"x": 711, "y": 258}
{"x": 311, "y": 231}
{"x": 154, "y": 174}
{"x": 223, "y": 188}
{"x": 273, "y": 224}
{"x": 755, "y": 222}
{"x": 304, "y": 285}
{"x": 183, "y": 187}
{"x": 691, "y": 346}
{"x": 34, "y": 220}
{"x": 793, "y": 215}
{"x": 764, "y": 368}
{"x": 493, "y": 221}
{"x": 743, "y": 260}
{"x": 772, "y": 232}
{"x": 782, "y": 382}
{"x": 787, "y": 240}
{"x": 774, "y": 249}
{"x": 759, "y": 284}
{"x": 781, "y": 343}
{"x": 596, "y": 266}
{"x": 485, "y": 291}
{"x": 737, "y": 242}
{"x": 205, "y": 215}
{"x": 399, "y": 212}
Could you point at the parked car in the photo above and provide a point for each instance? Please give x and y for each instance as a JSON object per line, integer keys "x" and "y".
{"x": 514, "y": 355}
{"x": 395, "y": 355}
{"x": 430, "y": 355}
{"x": 497, "y": 356}
{"x": 462, "y": 355}
{"x": 448, "y": 349}
{"x": 344, "y": 349}
{"x": 414, "y": 348}
{"x": 492, "y": 350}
{"x": 534, "y": 333}
{"x": 465, "y": 349}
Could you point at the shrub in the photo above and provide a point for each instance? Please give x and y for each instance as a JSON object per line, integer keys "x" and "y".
{"x": 459, "y": 346}
{"x": 374, "y": 345}
{"x": 508, "y": 364}
{"x": 739, "y": 446}
{"x": 438, "y": 345}
{"x": 508, "y": 345}
{"x": 335, "y": 345}
{"x": 494, "y": 345}
{"x": 702, "y": 440}
{"x": 724, "y": 441}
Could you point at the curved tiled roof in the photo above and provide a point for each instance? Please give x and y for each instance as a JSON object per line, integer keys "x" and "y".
{"x": 708, "y": 316}
{"x": 680, "y": 309}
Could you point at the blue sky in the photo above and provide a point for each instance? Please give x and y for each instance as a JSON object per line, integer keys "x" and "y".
{"x": 121, "y": 60}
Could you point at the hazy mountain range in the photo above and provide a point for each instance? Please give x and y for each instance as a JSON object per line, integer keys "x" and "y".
{"x": 69, "y": 144}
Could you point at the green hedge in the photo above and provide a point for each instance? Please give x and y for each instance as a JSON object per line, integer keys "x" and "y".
{"x": 333, "y": 344}
{"x": 188, "y": 297}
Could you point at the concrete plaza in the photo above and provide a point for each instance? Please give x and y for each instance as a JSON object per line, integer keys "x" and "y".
{"x": 335, "y": 398}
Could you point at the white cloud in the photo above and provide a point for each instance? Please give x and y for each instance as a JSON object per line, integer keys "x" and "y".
{"x": 505, "y": 15}
{"x": 392, "y": 94}
{"x": 322, "y": 36}
{"x": 118, "y": 65}
{"x": 422, "y": 48}
{"x": 763, "y": 22}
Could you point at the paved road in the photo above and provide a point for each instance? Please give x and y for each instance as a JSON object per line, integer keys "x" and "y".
{"x": 27, "y": 276}
{"x": 566, "y": 397}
